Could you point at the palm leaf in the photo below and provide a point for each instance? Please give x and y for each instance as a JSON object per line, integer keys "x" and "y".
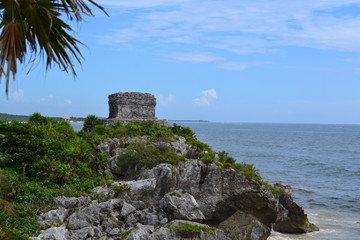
{"x": 36, "y": 27}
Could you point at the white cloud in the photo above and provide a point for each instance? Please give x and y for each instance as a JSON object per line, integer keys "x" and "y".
{"x": 194, "y": 57}
{"x": 68, "y": 101}
{"x": 139, "y": 3}
{"x": 165, "y": 100}
{"x": 201, "y": 102}
{"x": 240, "y": 26}
{"x": 211, "y": 93}
{"x": 232, "y": 66}
{"x": 47, "y": 99}
{"x": 206, "y": 98}
{"x": 18, "y": 95}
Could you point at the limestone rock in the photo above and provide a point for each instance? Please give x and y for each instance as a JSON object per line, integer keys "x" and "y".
{"x": 126, "y": 210}
{"x": 181, "y": 205}
{"x": 71, "y": 202}
{"x": 180, "y": 146}
{"x": 244, "y": 226}
{"x": 86, "y": 217}
{"x": 83, "y": 234}
{"x": 52, "y": 217}
{"x": 296, "y": 220}
{"x": 54, "y": 233}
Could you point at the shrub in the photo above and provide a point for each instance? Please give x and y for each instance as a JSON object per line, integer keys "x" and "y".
{"x": 185, "y": 132}
{"x": 248, "y": 170}
{"x": 31, "y": 147}
{"x": 225, "y": 158}
{"x": 146, "y": 155}
{"x": 121, "y": 188}
{"x": 40, "y": 160}
{"x": 7, "y": 185}
{"x": 208, "y": 157}
{"x": 90, "y": 122}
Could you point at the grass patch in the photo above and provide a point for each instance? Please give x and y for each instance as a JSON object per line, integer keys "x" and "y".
{"x": 188, "y": 230}
{"x": 125, "y": 234}
{"x": 143, "y": 154}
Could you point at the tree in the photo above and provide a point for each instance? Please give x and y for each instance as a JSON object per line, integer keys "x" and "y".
{"x": 90, "y": 122}
{"x": 36, "y": 27}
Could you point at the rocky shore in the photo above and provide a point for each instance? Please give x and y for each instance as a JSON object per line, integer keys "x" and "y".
{"x": 191, "y": 199}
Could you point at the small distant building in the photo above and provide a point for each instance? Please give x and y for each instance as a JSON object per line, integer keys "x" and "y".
{"x": 130, "y": 106}
{"x": 67, "y": 119}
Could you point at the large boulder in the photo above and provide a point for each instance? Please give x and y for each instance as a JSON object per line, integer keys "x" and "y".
{"x": 296, "y": 220}
{"x": 244, "y": 226}
{"x": 181, "y": 205}
{"x": 218, "y": 192}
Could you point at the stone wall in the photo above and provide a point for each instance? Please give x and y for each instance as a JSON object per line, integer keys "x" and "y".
{"x": 132, "y": 106}
{"x": 125, "y": 107}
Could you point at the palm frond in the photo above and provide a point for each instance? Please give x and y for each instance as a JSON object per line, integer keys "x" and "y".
{"x": 12, "y": 49}
{"x": 36, "y": 27}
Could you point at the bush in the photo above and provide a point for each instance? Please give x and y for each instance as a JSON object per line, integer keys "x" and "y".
{"x": 143, "y": 154}
{"x": 208, "y": 158}
{"x": 185, "y": 132}
{"x": 122, "y": 188}
{"x": 90, "y": 122}
{"x": 225, "y": 158}
{"x": 45, "y": 149}
{"x": 40, "y": 160}
{"x": 248, "y": 170}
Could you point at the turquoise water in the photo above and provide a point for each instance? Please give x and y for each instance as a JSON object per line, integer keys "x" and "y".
{"x": 320, "y": 162}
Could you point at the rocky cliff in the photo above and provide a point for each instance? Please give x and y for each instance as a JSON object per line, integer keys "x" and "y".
{"x": 188, "y": 199}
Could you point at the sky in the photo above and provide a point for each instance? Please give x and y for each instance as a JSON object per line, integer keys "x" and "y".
{"x": 279, "y": 61}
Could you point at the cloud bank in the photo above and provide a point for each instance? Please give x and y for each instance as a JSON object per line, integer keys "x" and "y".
{"x": 239, "y": 26}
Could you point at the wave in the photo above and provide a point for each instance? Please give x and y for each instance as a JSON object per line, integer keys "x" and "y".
{"x": 333, "y": 226}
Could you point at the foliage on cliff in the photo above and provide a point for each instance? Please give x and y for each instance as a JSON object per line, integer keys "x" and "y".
{"x": 40, "y": 160}
{"x": 45, "y": 158}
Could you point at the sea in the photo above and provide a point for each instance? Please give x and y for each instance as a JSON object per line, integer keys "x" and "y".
{"x": 320, "y": 161}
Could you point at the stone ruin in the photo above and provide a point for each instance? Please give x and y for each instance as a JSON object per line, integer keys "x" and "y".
{"x": 130, "y": 106}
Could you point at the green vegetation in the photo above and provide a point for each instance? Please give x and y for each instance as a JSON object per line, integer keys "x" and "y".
{"x": 40, "y": 160}
{"x": 23, "y": 118}
{"x": 174, "y": 194}
{"x": 225, "y": 159}
{"x": 121, "y": 188}
{"x": 208, "y": 157}
{"x": 10, "y": 117}
{"x": 90, "y": 122}
{"x": 125, "y": 234}
{"x": 146, "y": 155}
{"x": 252, "y": 173}
{"x": 188, "y": 230}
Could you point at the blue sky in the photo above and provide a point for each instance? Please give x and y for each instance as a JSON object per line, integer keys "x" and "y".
{"x": 280, "y": 61}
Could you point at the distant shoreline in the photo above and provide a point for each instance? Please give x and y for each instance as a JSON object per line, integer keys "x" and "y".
{"x": 24, "y": 118}
{"x": 188, "y": 120}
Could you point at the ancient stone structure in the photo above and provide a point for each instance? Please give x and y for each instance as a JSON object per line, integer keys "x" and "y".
{"x": 129, "y": 106}
{"x": 132, "y": 105}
